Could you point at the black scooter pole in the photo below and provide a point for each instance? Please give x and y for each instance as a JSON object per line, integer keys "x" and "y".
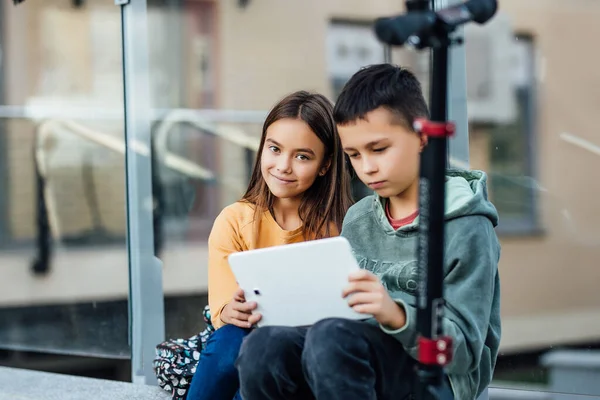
{"x": 435, "y": 350}
{"x": 424, "y": 28}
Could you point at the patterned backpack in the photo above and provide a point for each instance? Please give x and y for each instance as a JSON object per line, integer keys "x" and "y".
{"x": 176, "y": 360}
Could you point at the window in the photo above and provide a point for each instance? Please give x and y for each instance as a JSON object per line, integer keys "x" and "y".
{"x": 512, "y": 151}
{"x": 351, "y": 46}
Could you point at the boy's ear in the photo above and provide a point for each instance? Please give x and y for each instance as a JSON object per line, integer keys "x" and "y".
{"x": 424, "y": 141}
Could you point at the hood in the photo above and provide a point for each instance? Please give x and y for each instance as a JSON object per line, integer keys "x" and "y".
{"x": 466, "y": 194}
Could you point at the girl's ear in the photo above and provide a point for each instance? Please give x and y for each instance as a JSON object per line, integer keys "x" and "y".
{"x": 325, "y": 167}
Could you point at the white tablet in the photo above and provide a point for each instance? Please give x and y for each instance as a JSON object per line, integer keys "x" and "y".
{"x": 297, "y": 284}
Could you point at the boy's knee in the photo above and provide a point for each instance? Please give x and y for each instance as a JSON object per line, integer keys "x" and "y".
{"x": 261, "y": 348}
{"x": 331, "y": 330}
{"x": 329, "y": 341}
{"x": 251, "y": 346}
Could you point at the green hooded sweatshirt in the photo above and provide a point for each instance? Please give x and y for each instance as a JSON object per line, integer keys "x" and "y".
{"x": 471, "y": 282}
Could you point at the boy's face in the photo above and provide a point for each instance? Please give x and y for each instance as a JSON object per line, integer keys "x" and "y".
{"x": 385, "y": 155}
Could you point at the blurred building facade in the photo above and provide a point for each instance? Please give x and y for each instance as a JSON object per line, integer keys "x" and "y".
{"x": 61, "y": 91}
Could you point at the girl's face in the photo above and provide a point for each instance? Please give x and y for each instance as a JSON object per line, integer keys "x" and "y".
{"x": 292, "y": 158}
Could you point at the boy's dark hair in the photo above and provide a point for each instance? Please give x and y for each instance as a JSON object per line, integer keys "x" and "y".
{"x": 381, "y": 85}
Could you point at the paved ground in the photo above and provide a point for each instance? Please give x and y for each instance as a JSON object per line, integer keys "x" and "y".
{"x": 16, "y": 384}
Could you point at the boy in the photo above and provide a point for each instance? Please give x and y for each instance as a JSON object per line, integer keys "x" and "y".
{"x": 341, "y": 359}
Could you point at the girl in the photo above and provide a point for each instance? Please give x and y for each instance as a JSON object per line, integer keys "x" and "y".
{"x": 299, "y": 190}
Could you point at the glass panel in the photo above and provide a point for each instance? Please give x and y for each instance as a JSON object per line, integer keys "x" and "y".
{"x": 532, "y": 99}
{"x": 62, "y": 202}
{"x": 216, "y": 70}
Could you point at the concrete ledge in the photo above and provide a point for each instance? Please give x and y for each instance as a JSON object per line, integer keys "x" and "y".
{"x": 572, "y": 359}
{"x": 510, "y": 394}
{"x": 19, "y": 384}
{"x": 574, "y": 371}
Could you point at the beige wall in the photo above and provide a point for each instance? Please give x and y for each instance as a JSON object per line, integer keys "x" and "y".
{"x": 568, "y": 101}
{"x": 274, "y": 47}
{"x": 549, "y": 282}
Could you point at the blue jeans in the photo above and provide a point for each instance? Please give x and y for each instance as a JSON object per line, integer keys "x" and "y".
{"x": 216, "y": 376}
{"x": 335, "y": 359}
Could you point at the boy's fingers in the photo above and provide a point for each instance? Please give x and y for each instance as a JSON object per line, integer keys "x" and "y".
{"x": 362, "y": 298}
{"x": 361, "y": 275}
{"x": 365, "y": 308}
{"x": 359, "y": 286}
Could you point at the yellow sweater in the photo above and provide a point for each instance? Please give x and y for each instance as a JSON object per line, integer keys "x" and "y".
{"x": 234, "y": 231}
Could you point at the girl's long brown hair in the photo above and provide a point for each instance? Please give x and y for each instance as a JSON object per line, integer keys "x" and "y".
{"x": 327, "y": 200}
